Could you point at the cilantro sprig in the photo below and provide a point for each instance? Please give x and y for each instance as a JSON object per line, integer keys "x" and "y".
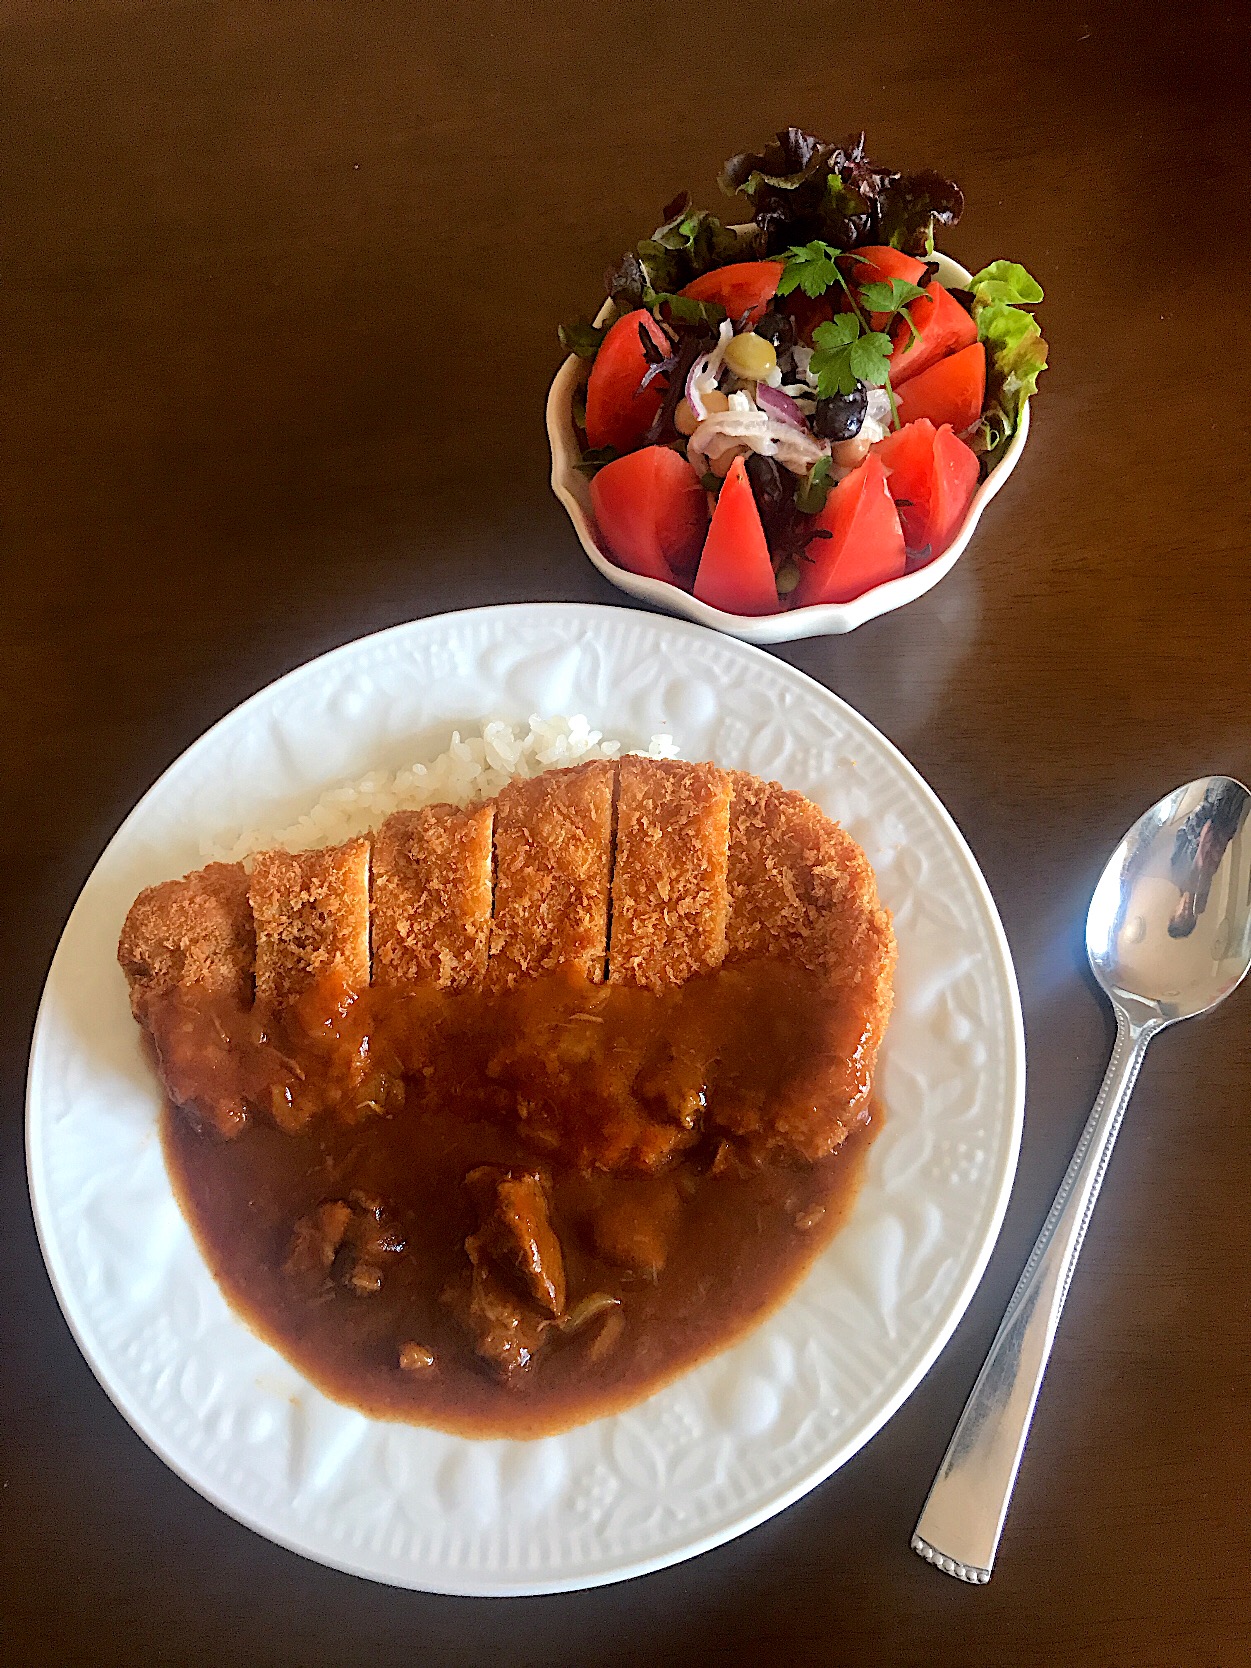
{"x": 813, "y": 268}
{"x": 810, "y": 267}
{"x": 848, "y": 349}
{"x": 894, "y": 298}
{"x": 890, "y": 295}
{"x": 844, "y": 356}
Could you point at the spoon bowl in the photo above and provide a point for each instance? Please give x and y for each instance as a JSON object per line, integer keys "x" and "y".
{"x": 1169, "y": 928}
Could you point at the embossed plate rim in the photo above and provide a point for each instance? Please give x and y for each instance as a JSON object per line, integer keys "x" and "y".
{"x": 584, "y": 1569}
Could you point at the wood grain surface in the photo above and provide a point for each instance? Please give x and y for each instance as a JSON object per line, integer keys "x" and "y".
{"x": 280, "y": 287}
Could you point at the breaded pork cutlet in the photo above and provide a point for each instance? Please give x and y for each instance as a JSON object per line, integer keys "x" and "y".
{"x": 712, "y": 870}
{"x": 669, "y": 899}
{"x": 553, "y": 853}
{"x": 432, "y": 897}
{"x": 312, "y": 919}
{"x": 192, "y": 934}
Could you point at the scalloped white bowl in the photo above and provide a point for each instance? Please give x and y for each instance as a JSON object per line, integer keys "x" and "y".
{"x": 823, "y": 619}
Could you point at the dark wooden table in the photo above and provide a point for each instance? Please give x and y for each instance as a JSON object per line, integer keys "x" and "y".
{"x": 281, "y": 284}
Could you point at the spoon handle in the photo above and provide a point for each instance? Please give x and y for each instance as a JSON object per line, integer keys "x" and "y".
{"x": 963, "y": 1518}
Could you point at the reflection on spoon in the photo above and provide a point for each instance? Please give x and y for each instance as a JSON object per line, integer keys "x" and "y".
{"x": 1201, "y": 843}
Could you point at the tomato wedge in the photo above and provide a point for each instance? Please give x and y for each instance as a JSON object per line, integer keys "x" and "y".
{"x": 909, "y": 458}
{"x": 618, "y": 408}
{"x": 735, "y": 571}
{"x": 866, "y": 546}
{"x": 943, "y": 326}
{"x": 743, "y": 287}
{"x": 932, "y": 476}
{"x": 875, "y": 263}
{"x": 956, "y": 472}
{"x": 652, "y": 513}
{"x": 951, "y": 391}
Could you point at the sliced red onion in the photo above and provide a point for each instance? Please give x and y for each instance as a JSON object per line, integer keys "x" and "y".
{"x": 779, "y": 405}
{"x": 692, "y": 398}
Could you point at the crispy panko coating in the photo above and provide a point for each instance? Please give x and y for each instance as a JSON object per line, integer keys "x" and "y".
{"x": 312, "y": 919}
{"x": 801, "y": 889}
{"x": 669, "y": 896}
{"x": 553, "y": 856}
{"x": 193, "y": 933}
{"x": 432, "y": 897}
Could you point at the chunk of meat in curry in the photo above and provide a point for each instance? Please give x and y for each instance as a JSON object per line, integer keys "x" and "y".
{"x": 348, "y": 1241}
{"x": 517, "y": 1286}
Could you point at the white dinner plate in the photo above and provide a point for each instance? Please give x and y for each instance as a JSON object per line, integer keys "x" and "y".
{"x": 729, "y": 1443}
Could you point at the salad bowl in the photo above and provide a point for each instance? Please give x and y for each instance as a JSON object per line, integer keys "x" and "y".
{"x": 816, "y": 620}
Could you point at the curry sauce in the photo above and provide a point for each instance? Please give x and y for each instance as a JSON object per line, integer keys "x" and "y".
{"x": 677, "y": 1232}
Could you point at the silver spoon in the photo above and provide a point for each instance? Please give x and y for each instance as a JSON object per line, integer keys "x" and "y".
{"x": 1168, "y": 936}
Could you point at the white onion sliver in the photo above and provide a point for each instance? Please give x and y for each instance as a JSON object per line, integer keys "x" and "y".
{"x": 703, "y": 374}
{"x": 693, "y": 395}
{"x": 753, "y": 430}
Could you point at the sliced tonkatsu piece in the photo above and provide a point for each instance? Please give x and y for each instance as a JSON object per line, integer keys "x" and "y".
{"x": 432, "y": 897}
{"x": 801, "y": 890}
{"x": 669, "y": 899}
{"x": 553, "y": 855}
{"x": 191, "y": 934}
{"x": 803, "y": 896}
{"x": 312, "y": 919}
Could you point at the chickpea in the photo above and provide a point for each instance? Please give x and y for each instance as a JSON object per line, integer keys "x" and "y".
{"x": 751, "y": 357}
{"x": 848, "y": 453}
{"x": 684, "y": 418}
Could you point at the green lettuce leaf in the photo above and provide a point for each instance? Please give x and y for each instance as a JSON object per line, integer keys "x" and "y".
{"x": 584, "y": 338}
{"x": 1016, "y": 355}
{"x": 1006, "y": 281}
{"x": 594, "y": 459}
{"x": 814, "y": 489}
{"x": 685, "y": 244}
{"x": 685, "y": 309}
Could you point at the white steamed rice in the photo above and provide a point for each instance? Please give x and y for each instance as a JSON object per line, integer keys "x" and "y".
{"x": 474, "y": 767}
